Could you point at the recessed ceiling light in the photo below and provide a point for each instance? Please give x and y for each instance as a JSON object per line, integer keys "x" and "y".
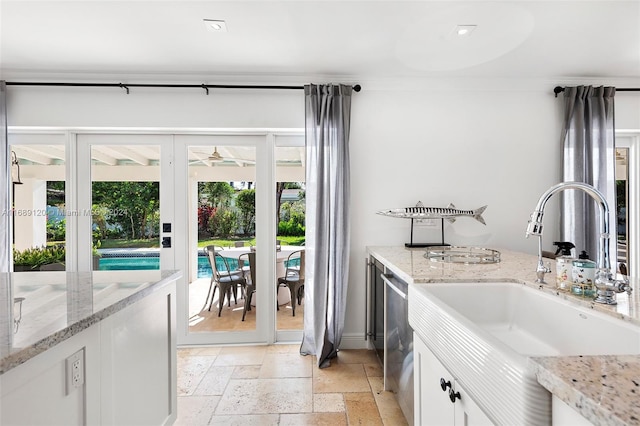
{"x": 215, "y": 25}
{"x": 464, "y": 30}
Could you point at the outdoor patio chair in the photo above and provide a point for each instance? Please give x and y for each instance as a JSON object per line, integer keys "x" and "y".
{"x": 250, "y": 288}
{"x": 226, "y": 280}
{"x": 243, "y": 265}
{"x": 293, "y": 278}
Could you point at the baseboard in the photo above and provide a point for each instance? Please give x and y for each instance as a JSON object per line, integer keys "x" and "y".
{"x": 354, "y": 341}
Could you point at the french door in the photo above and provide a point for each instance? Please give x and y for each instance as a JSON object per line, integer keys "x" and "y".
{"x": 145, "y": 188}
{"x": 226, "y": 192}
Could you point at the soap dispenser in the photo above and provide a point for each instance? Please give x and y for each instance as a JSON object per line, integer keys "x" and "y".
{"x": 564, "y": 265}
{"x": 583, "y": 275}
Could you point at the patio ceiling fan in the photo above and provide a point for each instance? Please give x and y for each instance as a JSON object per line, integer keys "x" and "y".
{"x": 216, "y": 157}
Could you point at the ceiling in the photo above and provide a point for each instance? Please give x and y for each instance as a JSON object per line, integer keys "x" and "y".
{"x": 149, "y": 155}
{"x": 297, "y": 41}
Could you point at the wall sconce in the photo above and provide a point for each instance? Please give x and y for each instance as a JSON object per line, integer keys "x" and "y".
{"x": 14, "y": 162}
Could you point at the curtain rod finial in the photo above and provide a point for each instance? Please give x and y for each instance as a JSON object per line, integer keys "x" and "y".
{"x": 557, "y": 90}
{"x": 357, "y": 88}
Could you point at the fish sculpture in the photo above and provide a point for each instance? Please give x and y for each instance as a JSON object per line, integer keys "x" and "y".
{"x": 421, "y": 212}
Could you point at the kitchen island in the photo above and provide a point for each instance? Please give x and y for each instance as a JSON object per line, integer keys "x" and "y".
{"x": 566, "y": 378}
{"x": 88, "y": 348}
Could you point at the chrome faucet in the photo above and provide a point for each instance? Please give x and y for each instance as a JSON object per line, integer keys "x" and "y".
{"x": 606, "y": 285}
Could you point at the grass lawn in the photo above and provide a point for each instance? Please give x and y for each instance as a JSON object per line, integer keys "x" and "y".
{"x": 286, "y": 241}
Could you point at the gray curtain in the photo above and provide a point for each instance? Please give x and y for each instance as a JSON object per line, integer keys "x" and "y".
{"x": 327, "y": 120}
{"x": 588, "y": 156}
{"x": 5, "y": 203}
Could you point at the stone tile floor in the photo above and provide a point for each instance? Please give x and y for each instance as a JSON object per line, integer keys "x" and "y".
{"x": 275, "y": 385}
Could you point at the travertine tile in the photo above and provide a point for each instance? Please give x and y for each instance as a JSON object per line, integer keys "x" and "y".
{"x": 214, "y": 381}
{"x": 357, "y": 356}
{"x": 257, "y": 396}
{"x": 202, "y": 320}
{"x": 246, "y": 371}
{"x": 192, "y": 369}
{"x": 246, "y": 420}
{"x": 187, "y": 352}
{"x": 340, "y": 378}
{"x": 261, "y": 385}
{"x": 328, "y": 403}
{"x": 207, "y": 350}
{"x": 387, "y": 403}
{"x": 374, "y": 370}
{"x": 362, "y": 409}
{"x": 195, "y": 410}
{"x": 314, "y": 419}
{"x": 283, "y": 349}
{"x": 285, "y": 365}
{"x": 241, "y": 355}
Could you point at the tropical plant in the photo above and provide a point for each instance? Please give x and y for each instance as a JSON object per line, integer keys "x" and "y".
{"x": 291, "y": 228}
{"x": 35, "y": 257}
{"x": 56, "y": 230}
{"x": 246, "y": 204}
{"x": 99, "y": 215}
{"x": 132, "y": 205}
{"x": 280, "y": 187}
{"x": 216, "y": 194}
{"x": 205, "y": 212}
{"x": 223, "y": 223}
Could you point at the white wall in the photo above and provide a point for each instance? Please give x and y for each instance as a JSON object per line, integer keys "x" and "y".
{"x": 468, "y": 147}
{"x": 144, "y": 107}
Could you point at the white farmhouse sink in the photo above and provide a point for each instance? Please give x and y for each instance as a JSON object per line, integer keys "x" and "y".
{"x": 485, "y": 333}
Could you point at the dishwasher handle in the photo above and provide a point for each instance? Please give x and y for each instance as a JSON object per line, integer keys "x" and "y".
{"x": 393, "y": 286}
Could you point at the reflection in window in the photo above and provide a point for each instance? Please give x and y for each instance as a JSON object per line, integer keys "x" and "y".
{"x": 622, "y": 192}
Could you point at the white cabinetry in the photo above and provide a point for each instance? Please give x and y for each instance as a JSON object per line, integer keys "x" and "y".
{"x": 439, "y": 398}
{"x": 129, "y": 372}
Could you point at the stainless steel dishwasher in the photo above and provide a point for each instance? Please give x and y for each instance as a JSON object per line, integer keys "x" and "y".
{"x": 398, "y": 344}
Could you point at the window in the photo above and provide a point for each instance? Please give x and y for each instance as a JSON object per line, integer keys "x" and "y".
{"x": 628, "y": 217}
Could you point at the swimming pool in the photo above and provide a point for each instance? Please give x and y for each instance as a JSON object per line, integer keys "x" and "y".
{"x": 109, "y": 262}
{"x": 130, "y": 263}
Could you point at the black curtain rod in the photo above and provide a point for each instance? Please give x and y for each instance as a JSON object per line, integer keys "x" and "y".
{"x": 559, "y": 89}
{"x": 206, "y": 87}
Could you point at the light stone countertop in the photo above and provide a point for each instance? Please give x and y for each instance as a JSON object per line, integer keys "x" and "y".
{"x": 58, "y": 305}
{"x": 578, "y": 381}
{"x": 604, "y": 389}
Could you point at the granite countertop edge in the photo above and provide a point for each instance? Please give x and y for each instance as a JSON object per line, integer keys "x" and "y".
{"x": 23, "y": 355}
{"x": 591, "y": 391}
{"x": 595, "y": 407}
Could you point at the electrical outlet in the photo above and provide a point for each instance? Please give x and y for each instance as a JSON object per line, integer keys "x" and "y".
{"x": 75, "y": 371}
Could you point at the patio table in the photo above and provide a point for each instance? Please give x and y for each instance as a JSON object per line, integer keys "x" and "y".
{"x": 284, "y": 295}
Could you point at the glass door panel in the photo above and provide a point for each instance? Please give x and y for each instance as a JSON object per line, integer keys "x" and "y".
{"x": 222, "y": 200}
{"x": 622, "y": 192}
{"x": 125, "y": 207}
{"x": 38, "y": 173}
{"x": 290, "y": 216}
{"x": 628, "y": 215}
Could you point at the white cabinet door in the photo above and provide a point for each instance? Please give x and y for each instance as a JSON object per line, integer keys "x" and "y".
{"x": 438, "y": 398}
{"x": 431, "y": 402}
{"x": 467, "y": 412}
